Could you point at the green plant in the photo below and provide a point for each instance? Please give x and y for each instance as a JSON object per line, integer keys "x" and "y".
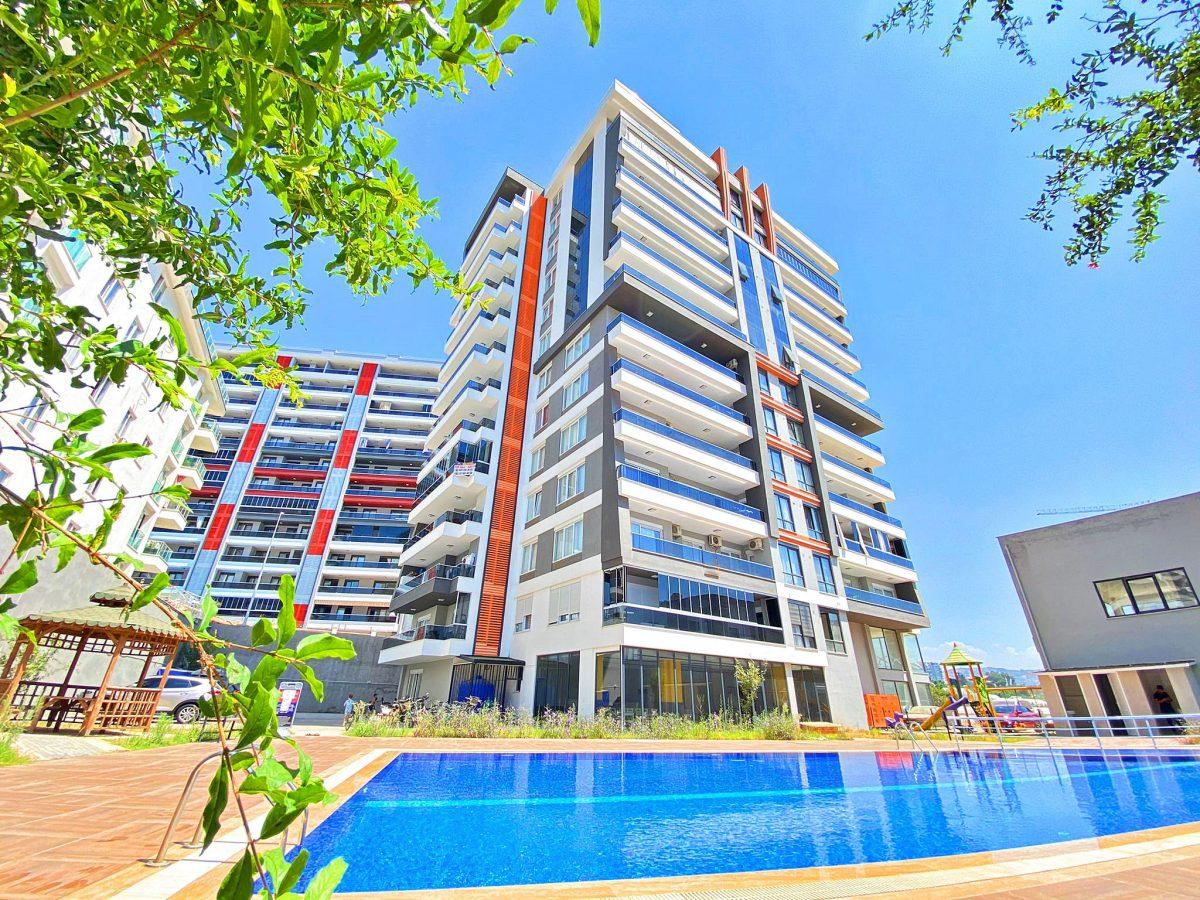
{"x": 1131, "y": 108}
{"x": 749, "y": 676}
{"x": 9, "y": 754}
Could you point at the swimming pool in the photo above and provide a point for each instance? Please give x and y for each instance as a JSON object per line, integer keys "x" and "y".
{"x": 431, "y": 820}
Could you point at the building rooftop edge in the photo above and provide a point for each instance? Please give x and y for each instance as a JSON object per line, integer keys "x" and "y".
{"x": 1114, "y": 514}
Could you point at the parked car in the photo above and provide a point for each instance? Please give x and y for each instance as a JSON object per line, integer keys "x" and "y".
{"x": 1015, "y": 716}
{"x": 181, "y": 695}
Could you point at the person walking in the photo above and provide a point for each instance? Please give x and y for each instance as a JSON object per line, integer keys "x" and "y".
{"x": 1166, "y": 707}
{"x": 347, "y": 710}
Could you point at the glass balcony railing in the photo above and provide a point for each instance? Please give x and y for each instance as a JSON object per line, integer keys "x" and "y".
{"x": 688, "y": 553}
{"x": 651, "y": 479}
{"x": 816, "y": 357}
{"x": 865, "y": 510}
{"x": 861, "y": 473}
{"x": 454, "y": 517}
{"x": 667, "y": 201}
{"x": 641, "y": 371}
{"x": 433, "y": 633}
{"x": 840, "y": 394}
{"x": 710, "y": 364}
{"x": 660, "y": 618}
{"x": 674, "y": 237}
{"x": 625, "y": 415}
{"x": 820, "y": 335}
{"x": 432, "y": 573}
{"x": 847, "y": 433}
{"x": 797, "y": 262}
{"x": 704, "y": 288}
{"x": 893, "y": 558}
{"x": 884, "y": 600}
{"x": 354, "y": 589}
{"x": 354, "y": 618}
{"x": 667, "y": 292}
{"x": 359, "y": 564}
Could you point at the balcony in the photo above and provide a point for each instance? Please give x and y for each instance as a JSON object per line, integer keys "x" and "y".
{"x": 336, "y": 618}
{"x": 706, "y": 558}
{"x": 650, "y": 494}
{"x": 871, "y": 562}
{"x": 626, "y": 250}
{"x": 462, "y": 486}
{"x": 206, "y": 436}
{"x": 847, "y": 407}
{"x": 150, "y": 555}
{"x": 661, "y": 208}
{"x": 629, "y": 614}
{"x": 868, "y": 515}
{"x": 173, "y": 515}
{"x": 371, "y": 566}
{"x": 680, "y": 181}
{"x": 475, "y": 401}
{"x": 450, "y": 534}
{"x": 435, "y": 586}
{"x": 822, "y": 344}
{"x": 425, "y": 643}
{"x": 355, "y": 590}
{"x": 500, "y": 238}
{"x": 481, "y": 327}
{"x": 861, "y": 484}
{"x": 819, "y": 318}
{"x": 673, "y": 360}
{"x": 628, "y": 273}
{"x": 845, "y": 444}
{"x": 481, "y": 363}
{"x": 191, "y": 473}
{"x": 881, "y": 601}
{"x": 690, "y": 457}
{"x": 647, "y": 391}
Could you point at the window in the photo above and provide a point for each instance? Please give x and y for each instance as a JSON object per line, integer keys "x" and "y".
{"x": 578, "y": 347}
{"x": 783, "y": 508}
{"x": 110, "y": 292}
{"x": 568, "y": 540}
{"x": 912, "y": 652}
{"x": 572, "y": 434}
{"x": 772, "y": 422}
{"x": 524, "y": 617}
{"x": 796, "y": 433}
{"x": 575, "y": 389}
{"x": 537, "y": 459}
{"x": 564, "y": 603}
{"x": 649, "y": 534}
{"x": 571, "y": 484}
{"x": 825, "y": 582}
{"x": 542, "y": 417}
{"x": 33, "y": 413}
{"x": 101, "y": 389}
{"x": 815, "y": 522}
{"x": 803, "y": 634}
{"x": 900, "y": 689}
{"x": 885, "y": 647}
{"x": 533, "y": 505}
{"x": 835, "y": 636}
{"x": 1153, "y": 592}
{"x": 776, "y": 459}
{"x": 126, "y": 424}
{"x": 528, "y": 557}
{"x": 764, "y": 382}
{"x": 543, "y": 382}
{"x": 556, "y": 683}
{"x": 543, "y": 343}
{"x": 793, "y": 570}
{"x": 804, "y": 472}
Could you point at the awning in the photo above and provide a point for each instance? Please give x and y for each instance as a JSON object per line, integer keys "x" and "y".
{"x": 494, "y": 660}
{"x": 1130, "y": 667}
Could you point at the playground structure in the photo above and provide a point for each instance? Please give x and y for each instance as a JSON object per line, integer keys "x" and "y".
{"x": 965, "y": 680}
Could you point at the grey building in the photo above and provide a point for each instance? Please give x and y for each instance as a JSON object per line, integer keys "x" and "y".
{"x": 1112, "y": 604}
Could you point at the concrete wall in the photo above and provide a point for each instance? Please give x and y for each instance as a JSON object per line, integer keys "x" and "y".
{"x": 1055, "y": 568}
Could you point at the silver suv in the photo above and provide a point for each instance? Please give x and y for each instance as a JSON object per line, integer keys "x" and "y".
{"x": 181, "y": 694}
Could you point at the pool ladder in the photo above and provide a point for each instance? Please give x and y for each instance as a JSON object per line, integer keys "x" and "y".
{"x": 908, "y": 731}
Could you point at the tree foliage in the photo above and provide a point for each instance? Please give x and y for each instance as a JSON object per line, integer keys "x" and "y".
{"x": 1121, "y": 143}
{"x": 102, "y": 104}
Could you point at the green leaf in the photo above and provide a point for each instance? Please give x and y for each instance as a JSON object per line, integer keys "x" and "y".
{"x": 263, "y": 633}
{"x": 551, "y": 6}
{"x": 239, "y": 883}
{"x": 259, "y": 718}
{"x": 150, "y": 592}
{"x": 287, "y": 610}
{"x": 325, "y": 882}
{"x": 324, "y": 646}
{"x": 512, "y": 42}
{"x": 310, "y": 678}
{"x": 589, "y": 11}
{"x": 114, "y": 452}
{"x": 86, "y": 420}
{"x": 25, "y": 577}
{"x": 218, "y": 797}
{"x": 292, "y": 876}
{"x": 208, "y": 612}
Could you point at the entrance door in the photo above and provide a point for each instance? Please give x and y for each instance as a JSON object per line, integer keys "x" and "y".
{"x": 1111, "y": 708}
{"x": 1074, "y": 703}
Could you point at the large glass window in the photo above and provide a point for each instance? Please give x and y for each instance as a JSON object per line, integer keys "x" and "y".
{"x": 885, "y": 648}
{"x": 1153, "y": 592}
{"x": 899, "y": 689}
{"x": 772, "y": 422}
{"x": 815, "y": 522}
{"x": 691, "y": 685}
{"x": 556, "y": 685}
{"x": 578, "y": 347}
{"x": 796, "y": 433}
{"x": 783, "y": 508}
{"x": 793, "y": 569}
{"x": 824, "y": 566}
{"x": 804, "y": 472}
{"x": 578, "y": 250}
{"x": 831, "y": 625}
{"x": 776, "y": 460}
{"x": 750, "y": 300}
{"x": 912, "y": 650}
{"x": 812, "y": 698}
{"x": 803, "y": 633}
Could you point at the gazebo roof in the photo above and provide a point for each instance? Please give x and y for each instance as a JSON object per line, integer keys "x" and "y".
{"x": 107, "y": 615}
{"x": 958, "y": 657}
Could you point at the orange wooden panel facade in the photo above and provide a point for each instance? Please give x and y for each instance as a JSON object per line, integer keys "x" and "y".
{"x": 489, "y": 627}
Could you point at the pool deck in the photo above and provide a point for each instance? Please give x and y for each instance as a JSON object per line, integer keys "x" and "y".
{"x": 81, "y": 826}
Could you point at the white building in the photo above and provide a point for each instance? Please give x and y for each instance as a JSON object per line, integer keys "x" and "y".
{"x": 653, "y": 454}
{"x": 1112, "y": 604}
{"x": 133, "y": 410}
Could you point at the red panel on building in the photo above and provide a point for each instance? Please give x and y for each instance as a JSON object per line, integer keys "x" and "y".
{"x": 365, "y": 378}
{"x": 345, "y": 449}
{"x": 381, "y": 478}
{"x": 379, "y": 501}
{"x": 490, "y": 625}
{"x": 284, "y": 361}
{"x": 217, "y": 527}
{"x": 250, "y": 442}
{"x": 320, "y": 533}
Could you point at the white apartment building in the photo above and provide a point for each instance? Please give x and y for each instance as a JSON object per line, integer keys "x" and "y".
{"x": 318, "y": 489}
{"x": 653, "y": 455}
{"x": 133, "y": 410}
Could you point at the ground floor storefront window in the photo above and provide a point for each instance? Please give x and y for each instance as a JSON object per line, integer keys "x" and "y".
{"x": 637, "y": 682}
{"x": 812, "y": 698}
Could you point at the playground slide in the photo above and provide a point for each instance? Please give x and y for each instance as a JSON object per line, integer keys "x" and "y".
{"x": 949, "y": 706}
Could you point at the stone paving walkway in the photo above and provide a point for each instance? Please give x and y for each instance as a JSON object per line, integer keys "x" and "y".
{"x": 61, "y": 746}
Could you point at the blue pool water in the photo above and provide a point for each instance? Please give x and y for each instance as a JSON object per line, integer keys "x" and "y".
{"x": 463, "y": 820}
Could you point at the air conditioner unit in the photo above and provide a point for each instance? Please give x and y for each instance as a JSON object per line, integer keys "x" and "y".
{"x": 714, "y": 541}
{"x": 754, "y": 544}
{"x": 676, "y": 533}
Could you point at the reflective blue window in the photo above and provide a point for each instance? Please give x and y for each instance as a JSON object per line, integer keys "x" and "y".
{"x": 783, "y": 507}
{"x": 775, "y": 303}
{"x": 750, "y": 300}
{"x": 577, "y": 263}
{"x": 776, "y": 459}
{"x": 793, "y": 571}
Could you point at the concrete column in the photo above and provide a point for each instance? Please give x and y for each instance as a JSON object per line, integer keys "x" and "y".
{"x": 587, "y": 684}
{"x": 1184, "y": 688}
{"x": 1050, "y": 689}
{"x": 1091, "y": 694}
{"x": 793, "y": 706}
{"x": 1130, "y": 693}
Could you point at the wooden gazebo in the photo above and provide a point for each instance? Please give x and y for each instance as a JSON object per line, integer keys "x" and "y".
{"x": 103, "y": 627}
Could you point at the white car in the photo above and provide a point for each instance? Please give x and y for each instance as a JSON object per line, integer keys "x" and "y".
{"x": 181, "y": 694}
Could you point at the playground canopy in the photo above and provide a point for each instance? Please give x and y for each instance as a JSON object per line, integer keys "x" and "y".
{"x": 107, "y": 627}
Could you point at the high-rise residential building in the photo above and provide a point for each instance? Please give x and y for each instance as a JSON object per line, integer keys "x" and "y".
{"x": 318, "y": 489}
{"x": 652, "y": 455}
{"x": 133, "y": 410}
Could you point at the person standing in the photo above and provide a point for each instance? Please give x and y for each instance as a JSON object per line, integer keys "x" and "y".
{"x": 348, "y": 710}
{"x": 1166, "y": 707}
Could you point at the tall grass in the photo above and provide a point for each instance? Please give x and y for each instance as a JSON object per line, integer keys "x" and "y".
{"x": 9, "y": 754}
{"x": 461, "y": 721}
{"x": 164, "y": 733}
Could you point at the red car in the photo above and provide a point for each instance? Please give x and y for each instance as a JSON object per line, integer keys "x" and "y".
{"x": 1015, "y": 716}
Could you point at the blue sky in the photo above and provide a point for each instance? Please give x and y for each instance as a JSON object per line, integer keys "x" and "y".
{"x": 1008, "y": 381}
